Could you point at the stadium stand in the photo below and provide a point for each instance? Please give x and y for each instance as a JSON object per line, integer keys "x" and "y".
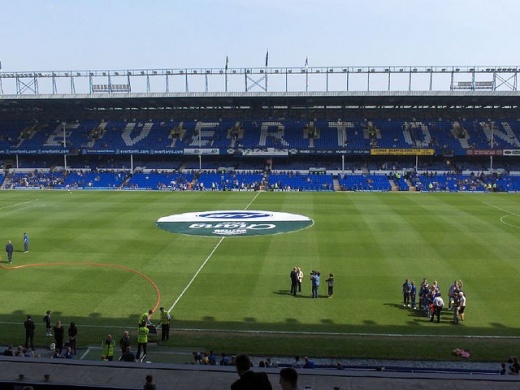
{"x": 34, "y": 152}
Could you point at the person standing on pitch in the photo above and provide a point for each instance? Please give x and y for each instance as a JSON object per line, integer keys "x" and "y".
{"x": 25, "y": 243}
{"x": 330, "y": 285}
{"x": 165, "y": 324}
{"x": 108, "y": 346}
{"x": 300, "y": 279}
{"x": 146, "y": 317}
{"x": 73, "y": 334}
{"x": 142, "y": 340}
{"x": 48, "y": 323}
{"x": 9, "y": 249}
{"x": 124, "y": 342}
{"x": 407, "y": 287}
{"x": 29, "y": 332}
{"x": 315, "y": 280}
{"x": 294, "y": 280}
{"x": 59, "y": 335}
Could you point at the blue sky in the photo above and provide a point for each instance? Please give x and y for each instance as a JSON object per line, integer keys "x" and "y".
{"x": 128, "y": 34}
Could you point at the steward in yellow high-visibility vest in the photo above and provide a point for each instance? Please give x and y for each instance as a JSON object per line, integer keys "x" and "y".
{"x": 145, "y": 317}
{"x": 165, "y": 324}
{"x": 108, "y": 346}
{"x": 142, "y": 340}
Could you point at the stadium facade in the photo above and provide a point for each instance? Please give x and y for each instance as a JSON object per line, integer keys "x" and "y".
{"x": 353, "y": 125}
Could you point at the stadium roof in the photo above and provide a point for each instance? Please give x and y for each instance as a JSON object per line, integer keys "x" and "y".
{"x": 81, "y": 103}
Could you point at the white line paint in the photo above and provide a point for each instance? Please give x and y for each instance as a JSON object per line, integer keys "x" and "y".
{"x": 503, "y": 217}
{"x": 18, "y": 204}
{"x": 5, "y": 211}
{"x": 205, "y": 262}
{"x": 196, "y": 274}
{"x": 501, "y": 209}
{"x": 291, "y": 333}
{"x": 252, "y": 201}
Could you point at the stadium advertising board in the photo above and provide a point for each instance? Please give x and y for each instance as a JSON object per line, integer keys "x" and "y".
{"x": 167, "y": 151}
{"x": 333, "y": 151}
{"x": 99, "y": 151}
{"x": 402, "y": 152}
{"x": 204, "y": 152}
{"x": 36, "y": 151}
{"x": 511, "y": 152}
{"x": 483, "y": 152}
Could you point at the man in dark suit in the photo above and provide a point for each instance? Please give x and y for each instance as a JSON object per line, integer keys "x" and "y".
{"x": 29, "y": 332}
{"x": 249, "y": 380}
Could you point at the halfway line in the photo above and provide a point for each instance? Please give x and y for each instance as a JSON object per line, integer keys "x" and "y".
{"x": 196, "y": 274}
{"x": 204, "y": 263}
{"x": 18, "y": 204}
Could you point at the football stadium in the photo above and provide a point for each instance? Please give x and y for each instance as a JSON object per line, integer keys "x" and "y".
{"x": 199, "y": 191}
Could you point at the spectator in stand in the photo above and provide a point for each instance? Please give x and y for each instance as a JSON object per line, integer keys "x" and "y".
{"x": 297, "y": 363}
{"x": 225, "y": 360}
{"x": 128, "y": 355}
{"x": 249, "y": 380}
{"x": 288, "y": 378}
{"x": 149, "y": 385}
{"x": 212, "y": 359}
{"x": 197, "y": 357}
{"x": 68, "y": 353}
{"x": 9, "y": 351}
{"x": 514, "y": 365}
{"x": 309, "y": 363}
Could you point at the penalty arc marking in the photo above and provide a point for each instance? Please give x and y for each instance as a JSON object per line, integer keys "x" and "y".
{"x": 70, "y": 264}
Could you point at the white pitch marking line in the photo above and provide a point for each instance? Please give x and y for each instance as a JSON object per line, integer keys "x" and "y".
{"x": 196, "y": 274}
{"x": 250, "y": 203}
{"x": 204, "y": 263}
{"x": 502, "y": 218}
{"x": 18, "y": 204}
{"x": 501, "y": 209}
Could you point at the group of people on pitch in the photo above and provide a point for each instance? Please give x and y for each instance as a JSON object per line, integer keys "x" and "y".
{"x": 431, "y": 300}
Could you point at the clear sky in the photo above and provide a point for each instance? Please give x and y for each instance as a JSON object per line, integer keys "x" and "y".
{"x": 130, "y": 34}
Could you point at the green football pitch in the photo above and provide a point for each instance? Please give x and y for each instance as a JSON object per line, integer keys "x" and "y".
{"x": 97, "y": 258}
